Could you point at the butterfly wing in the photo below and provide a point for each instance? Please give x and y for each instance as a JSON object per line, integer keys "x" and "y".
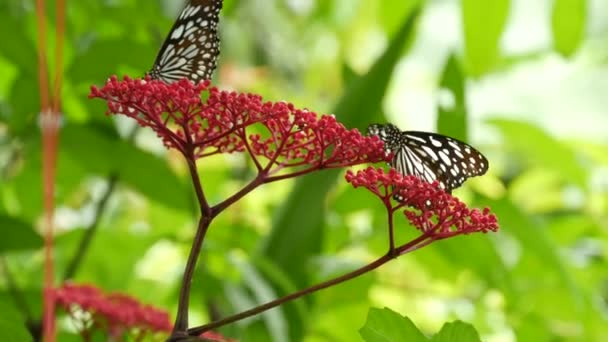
{"x": 192, "y": 47}
{"x": 432, "y": 156}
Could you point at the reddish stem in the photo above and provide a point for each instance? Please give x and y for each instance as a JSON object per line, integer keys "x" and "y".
{"x": 181, "y": 319}
{"x": 410, "y": 246}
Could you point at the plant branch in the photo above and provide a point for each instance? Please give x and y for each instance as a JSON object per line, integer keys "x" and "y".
{"x": 257, "y": 181}
{"x": 410, "y": 246}
{"x": 181, "y": 320}
{"x": 391, "y": 232}
{"x": 196, "y": 181}
{"x": 78, "y": 257}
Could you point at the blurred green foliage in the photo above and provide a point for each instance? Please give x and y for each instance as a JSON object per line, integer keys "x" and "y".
{"x": 543, "y": 277}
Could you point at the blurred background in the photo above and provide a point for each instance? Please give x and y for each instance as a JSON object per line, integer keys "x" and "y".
{"x": 526, "y": 82}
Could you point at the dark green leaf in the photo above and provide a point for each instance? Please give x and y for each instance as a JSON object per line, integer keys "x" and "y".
{"x": 105, "y": 58}
{"x": 148, "y": 174}
{"x": 17, "y": 235}
{"x": 12, "y": 325}
{"x": 16, "y": 45}
{"x": 385, "y": 325}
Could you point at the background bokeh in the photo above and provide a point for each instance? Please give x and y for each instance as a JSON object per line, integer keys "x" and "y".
{"x": 524, "y": 81}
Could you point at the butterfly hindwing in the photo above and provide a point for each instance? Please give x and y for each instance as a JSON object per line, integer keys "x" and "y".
{"x": 431, "y": 156}
{"x": 192, "y": 46}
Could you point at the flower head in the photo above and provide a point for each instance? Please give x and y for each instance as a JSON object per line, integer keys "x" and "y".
{"x": 430, "y": 209}
{"x": 118, "y": 313}
{"x": 276, "y": 134}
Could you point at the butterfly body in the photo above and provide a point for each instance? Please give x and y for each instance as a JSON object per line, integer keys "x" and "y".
{"x": 192, "y": 46}
{"x": 430, "y": 156}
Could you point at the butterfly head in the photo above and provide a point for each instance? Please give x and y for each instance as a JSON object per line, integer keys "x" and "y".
{"x": 388, "y": 133}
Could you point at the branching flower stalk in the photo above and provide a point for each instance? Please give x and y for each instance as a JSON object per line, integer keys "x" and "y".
{"x": 287, "y": 142}
{"x": 436, "y": 214}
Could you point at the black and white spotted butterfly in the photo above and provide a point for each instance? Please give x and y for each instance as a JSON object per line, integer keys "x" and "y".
{"x": 192, "y": 47}
{"x": 430, "y": 156}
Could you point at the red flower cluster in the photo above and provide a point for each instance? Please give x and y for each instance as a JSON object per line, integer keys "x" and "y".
{"x": 116, "y": 313}
{"x": 430, "y": 209}
{"x": 276, "y": 135}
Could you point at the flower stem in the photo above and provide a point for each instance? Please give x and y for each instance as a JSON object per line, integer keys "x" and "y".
{"x": 259, "y": 309}
{"x": 198, "y": 188}
{"x": 391, "y": 232}
{"x": 181, "y": 320}
{"x": 259, "y": 180}
{"x": 410, "y": 246}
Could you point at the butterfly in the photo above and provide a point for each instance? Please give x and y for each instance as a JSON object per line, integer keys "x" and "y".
{"x": 430, "y": 156}
{"x": 192, "y": 46}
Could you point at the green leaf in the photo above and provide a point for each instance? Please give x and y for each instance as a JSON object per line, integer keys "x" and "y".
{"x": 535, "y": 239}
{"x": 484, "y": 22}
{"x": 17, "y": 46}
{"x": 457, "y": 332}
{"x": 298, "y": 227}
{"x": 17, "y": 235}
{"x": 452, "y": 118}
{"x": 24, "y": 107}
{"x": 385, "y": 325}
{"x": 568, "y": 25}
{"x": 107, "y": 56}
{"x": 545, "y": 151}
{"x": 103, "y": 153}
{"x": 12, "y": 325}
{"x": 263, "y": 292}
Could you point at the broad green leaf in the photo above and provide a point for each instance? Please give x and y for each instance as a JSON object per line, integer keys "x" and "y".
{"x": 385, "y": 325}
{"x": 104, "y": 153}
{"x": 106, "y": 57}
{"x": 535, "y": 240}
{"x": 568, "y": 21}
{"x": 484, "y": 22}
{"x": 297, "y": 228}
{"x": 16, "y": 45}
{"x": 534, "y": 145}
{"x": 24, "y": 106}
{"x": 474, "y": 252}
{"x": 452, "y": 118}
{"x": 112, "y": 258}
{"x": 17, "y": 235}
{"x": 12, "y": 325}
{"x": 263, "y": 292}
{"x": 457, "y": 332}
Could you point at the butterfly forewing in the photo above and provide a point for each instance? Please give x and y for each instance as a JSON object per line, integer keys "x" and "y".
{"x": 431, "y": 156}
{"x": 192, "y": 47}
